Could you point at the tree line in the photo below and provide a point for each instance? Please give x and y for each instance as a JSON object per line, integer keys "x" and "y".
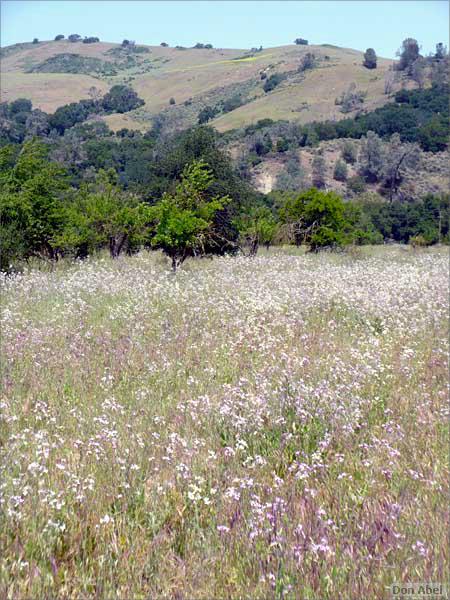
{"x": 200, "y": 210}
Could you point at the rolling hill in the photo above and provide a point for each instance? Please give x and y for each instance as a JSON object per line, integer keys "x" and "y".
{"x": 179, "y": 82}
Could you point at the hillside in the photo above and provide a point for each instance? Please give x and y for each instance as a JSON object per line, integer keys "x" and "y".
{"x": 55, "y": 73}
{"x": 430, "y": 176}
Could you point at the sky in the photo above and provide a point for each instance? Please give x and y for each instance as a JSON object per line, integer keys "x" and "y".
{"x": 233, "y": 24}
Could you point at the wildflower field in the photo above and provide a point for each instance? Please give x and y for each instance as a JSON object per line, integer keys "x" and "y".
{"x": 273, "y": 427}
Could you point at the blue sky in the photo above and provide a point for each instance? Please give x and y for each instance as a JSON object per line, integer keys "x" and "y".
{"x": 239, "y": 24}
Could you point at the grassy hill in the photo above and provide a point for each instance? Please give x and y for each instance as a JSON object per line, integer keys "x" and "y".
{"x": 55, "y": 73}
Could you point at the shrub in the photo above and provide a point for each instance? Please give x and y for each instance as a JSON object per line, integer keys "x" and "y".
{"x": 418, "y": 241}
{"x": 74, "y": 37}
{"x": 35, "y": 41}
{"x": 59, "y": 37}
{"x": 348, "y": 152}
{"x": 282, "y": 145}
{"x": 307, "y": 62}
{"x": 273, "y": 81}
{"x": 351, "y": 99}
{"x": 172, "y": 101}
{"x": 232, "y": 103}
{"x": 206, "y": 114}
{"x": 301, "y": 42}
{"x": 356, "y": 184}
{"x": 318, "y": 171}
{"x": 340, "y": 171}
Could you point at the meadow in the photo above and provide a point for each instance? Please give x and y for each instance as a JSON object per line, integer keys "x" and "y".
{"x": 273, "y": 427}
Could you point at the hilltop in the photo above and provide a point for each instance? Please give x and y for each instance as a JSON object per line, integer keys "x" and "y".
{"x": 179, "y": 82}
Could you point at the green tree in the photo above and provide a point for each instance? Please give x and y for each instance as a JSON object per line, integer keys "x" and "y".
{"x": 370, "y": 59}
{"x": 409, "y": 53}
{"x": 121, "y": 99}
{"x": 102, "y": 215}
{"x": 317, "y": 219}
{"x": 184, "y": 220}
{"x": 206, "y": 114}
{"x": 256, "y": 227}
{"x": 31, "y": 210}
{"x": 433, "y": 136}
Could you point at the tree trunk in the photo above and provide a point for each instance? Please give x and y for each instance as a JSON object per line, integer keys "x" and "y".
{"x": 254, "y": 244}
{"x": 116, "y": 244}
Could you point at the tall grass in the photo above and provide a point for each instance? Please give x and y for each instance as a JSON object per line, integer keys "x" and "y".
{"x": 249, "y": 428}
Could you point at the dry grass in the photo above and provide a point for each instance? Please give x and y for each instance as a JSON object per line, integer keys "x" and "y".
{"x": 267, "y": 428}
{"x": 184, "y": 74}
{"x": 48, "y": 90}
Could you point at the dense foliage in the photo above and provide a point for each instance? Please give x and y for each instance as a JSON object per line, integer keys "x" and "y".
{"x": 69, "y": 185}
{"x": 19, "y": 120}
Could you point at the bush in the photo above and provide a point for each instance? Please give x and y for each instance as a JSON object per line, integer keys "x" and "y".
{"x": 356, "y": 184}
{"x": 348, "y": 152}
{"x": 164, "y": 44}
{"x": 273, "y": 81}
{"x": 418, "y": 241}
{"x": 74, "y": 37}
{"x": 59, "y": 37}
{"x": 301, "y": 42}
{"x": 307, "y": 62}
{"x": 206, "y": 114}
{"x": 282, "y": 145}
{"x": 35, "y": 41}
{"x": 340, "y": 171}
{"x": 351, "y": 100}
{"x": 172, "y": 101}
{"x": 232, "y": 103}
